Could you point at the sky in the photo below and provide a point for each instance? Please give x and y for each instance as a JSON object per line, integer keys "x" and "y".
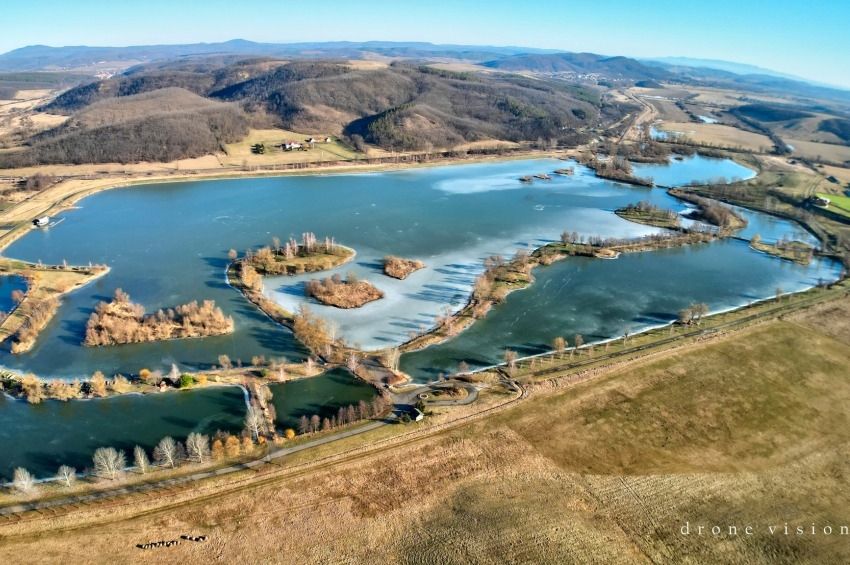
{"x": 807, "y": 39}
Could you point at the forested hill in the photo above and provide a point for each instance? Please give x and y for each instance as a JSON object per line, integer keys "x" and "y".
{"x": 401, "y": 106}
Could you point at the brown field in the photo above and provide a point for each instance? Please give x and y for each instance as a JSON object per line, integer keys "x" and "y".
{"x": 720, "y": 135}
{"x": 750, "y": 429}
{"x": 667, "y": 110}
{"x": 728, "y": 98}
{"x": 820, "y": 151}
{"x": 841, "y": 173}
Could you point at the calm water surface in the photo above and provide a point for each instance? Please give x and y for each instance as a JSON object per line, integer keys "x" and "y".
{"x": 167, "y": 244}
{"x": 41, "y": 437}
{"x": 322, "y": 395}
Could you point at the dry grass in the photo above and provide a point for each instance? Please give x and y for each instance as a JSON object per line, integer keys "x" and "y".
{"x": 747, "y": 430}
{"x": 240, "y": 152}
{"x": 720, "y": 135}
{"x": 820, "y": 151}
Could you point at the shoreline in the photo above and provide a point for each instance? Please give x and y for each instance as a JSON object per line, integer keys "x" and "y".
{"x": 65, "y": 200}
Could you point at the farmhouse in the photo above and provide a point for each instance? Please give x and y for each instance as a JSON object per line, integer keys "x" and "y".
{"x": 290, "y": 145}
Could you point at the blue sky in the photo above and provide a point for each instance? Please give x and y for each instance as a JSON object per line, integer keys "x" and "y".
{"x": 808, "y": 39}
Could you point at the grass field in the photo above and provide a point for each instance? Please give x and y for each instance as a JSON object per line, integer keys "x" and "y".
{"x": 837, "y": 203}
{"x": 747, "y": 430}
{"x": 240, "y": 152}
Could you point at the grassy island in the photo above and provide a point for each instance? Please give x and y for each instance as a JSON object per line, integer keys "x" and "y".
{"x": 294, "y": 258}
{"x": 122, "y": 321}
{"x": 796, "y": 251}
{"x": 46, "y": 284}
{"x": 649, "y": 214}
{"x": 343, "y": 293}
{"x": 400, "y": 268}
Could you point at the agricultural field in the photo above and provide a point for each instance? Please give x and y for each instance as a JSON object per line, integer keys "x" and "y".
{"x": 750, "y": 429}
{"x": 719, "y": 135}
{"x": 820, "y": 151}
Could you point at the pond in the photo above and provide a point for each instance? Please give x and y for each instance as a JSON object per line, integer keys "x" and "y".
{"x": 322, "y": 395}
{"x": 42, "y": 437}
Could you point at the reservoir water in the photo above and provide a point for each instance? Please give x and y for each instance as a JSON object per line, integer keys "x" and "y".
{"x": 167, "y": 244}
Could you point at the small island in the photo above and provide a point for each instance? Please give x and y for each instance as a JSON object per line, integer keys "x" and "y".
{"x": 294, "y": 258}
{"x": 122, "y": 321}
{"x": 711, "y": 211}
{"x": 400, "y": 268}
{"x": 796, "y": 251}
{"x": 616, "y": 169}
{"x": 649, "y": 214}
{"x": 343, "y": 293}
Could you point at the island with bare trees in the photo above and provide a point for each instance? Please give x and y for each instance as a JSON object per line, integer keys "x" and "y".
{"x": 122, "y": 321}
{"x": 711, "y": 211}
{"x": 400, "y": 268}
{"x": 349, "y": 292}
{"x": 644, "y": 212}
{"x": 292, "y": 257}
{"x": 790, "y": 250}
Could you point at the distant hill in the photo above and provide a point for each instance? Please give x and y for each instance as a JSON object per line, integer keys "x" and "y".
{"x": 581, "y": 63}
{"x": 43, "y": 57}
{"x": 727, "y": 66}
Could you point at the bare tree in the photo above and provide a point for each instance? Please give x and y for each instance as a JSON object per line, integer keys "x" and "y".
{"x": 559, "y": 344}
{"x": 197, "y": 447}
{"x": 23, "y": 481}
{"x": 225, "y": 362}
{"x": 510, "y": 358}
{"x": 391, "y": 358}
{"x": 253, "y": 422}
{"x": 108, "y": 462}
{"x": 165, "y": 452}
{"x": 578, "y": 340}
{"x": 67, "y": 475}
{"x": 700, "y": 310}
{"x": 352, "y": 362}
{"x": 140, "y": 458}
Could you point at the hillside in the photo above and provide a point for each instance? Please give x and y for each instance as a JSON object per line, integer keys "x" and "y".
{"x": 162, "y": 125}
{"x": 403, "y": 107}
{"x": 167, "y": 111}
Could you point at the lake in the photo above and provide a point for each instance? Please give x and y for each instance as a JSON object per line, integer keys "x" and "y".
{"x": 167, "y": 244}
